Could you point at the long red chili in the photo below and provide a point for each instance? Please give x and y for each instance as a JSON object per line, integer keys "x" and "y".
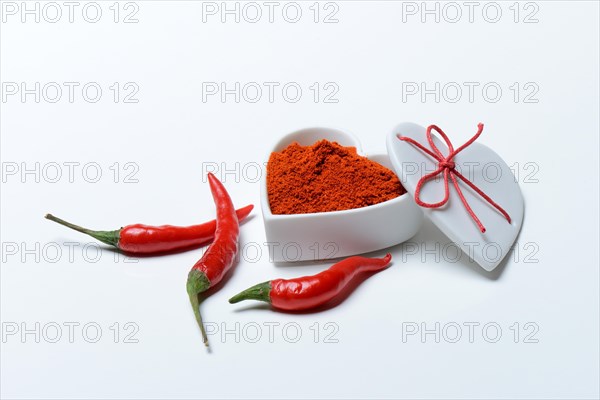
{"x": 311, "y": 291}
{"x": 220, "y": 255}
{"x": 146, "y": 239}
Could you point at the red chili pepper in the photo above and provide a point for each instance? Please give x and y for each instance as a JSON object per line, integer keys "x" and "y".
{"x": 145, "y": 239}
{"x": 220, "y": 255}
{"x": 311, "y": 291}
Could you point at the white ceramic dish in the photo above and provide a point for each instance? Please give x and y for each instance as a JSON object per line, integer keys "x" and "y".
{"x": 318, "y": 236}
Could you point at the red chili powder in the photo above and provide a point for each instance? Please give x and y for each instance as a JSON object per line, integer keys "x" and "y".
{"x": 326, "y": 177}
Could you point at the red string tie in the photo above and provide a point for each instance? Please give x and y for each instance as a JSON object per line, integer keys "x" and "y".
{"x": 446, "y": 165}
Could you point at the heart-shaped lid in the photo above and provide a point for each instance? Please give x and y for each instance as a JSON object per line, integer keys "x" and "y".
{"x": 488, "y": 241}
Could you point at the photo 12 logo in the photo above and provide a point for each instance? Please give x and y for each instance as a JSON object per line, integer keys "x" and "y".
{"x": 259, "y": 252}
{"x": 453, "y": 12}
{"x": 69, "y": 92}
{"x": 451, "y": 252}
{"x": 477, "y": 172}
{"x": 69, "y": 172}
{"x": 470, "y": 92}
{"x": 69, "y": 332}
{"x": 269, "y": 92}
{"x": 54, "y": 12}
{"x": 469, "y": 332}
{"x": 274, "y": 332}
{"x": 253, "y": 12}
{"x": 61, "y": 252}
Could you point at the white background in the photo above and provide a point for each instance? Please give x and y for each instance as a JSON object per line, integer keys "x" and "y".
{"x": 551, "y": 281}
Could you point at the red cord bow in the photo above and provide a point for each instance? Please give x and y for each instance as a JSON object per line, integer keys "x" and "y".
{"x": 446, "y": 165}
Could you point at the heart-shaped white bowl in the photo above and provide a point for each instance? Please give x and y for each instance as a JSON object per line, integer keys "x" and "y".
{"x": 319, "y": 236}
{"x": 487, "y": 249}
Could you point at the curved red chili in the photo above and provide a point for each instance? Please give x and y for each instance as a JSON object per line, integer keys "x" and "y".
{"x": 311, "y": 291}
{"x": 220, "y": 255}
{"x": 146, "y": 239}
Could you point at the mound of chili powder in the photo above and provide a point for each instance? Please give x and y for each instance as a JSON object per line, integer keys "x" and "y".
{"x": 326, "y": 177}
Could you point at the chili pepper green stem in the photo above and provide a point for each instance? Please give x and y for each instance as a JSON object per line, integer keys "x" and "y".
{"x": 197, "y": 283}
{"x": 261, "y": 292}
{"x": 109, "y": 237}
